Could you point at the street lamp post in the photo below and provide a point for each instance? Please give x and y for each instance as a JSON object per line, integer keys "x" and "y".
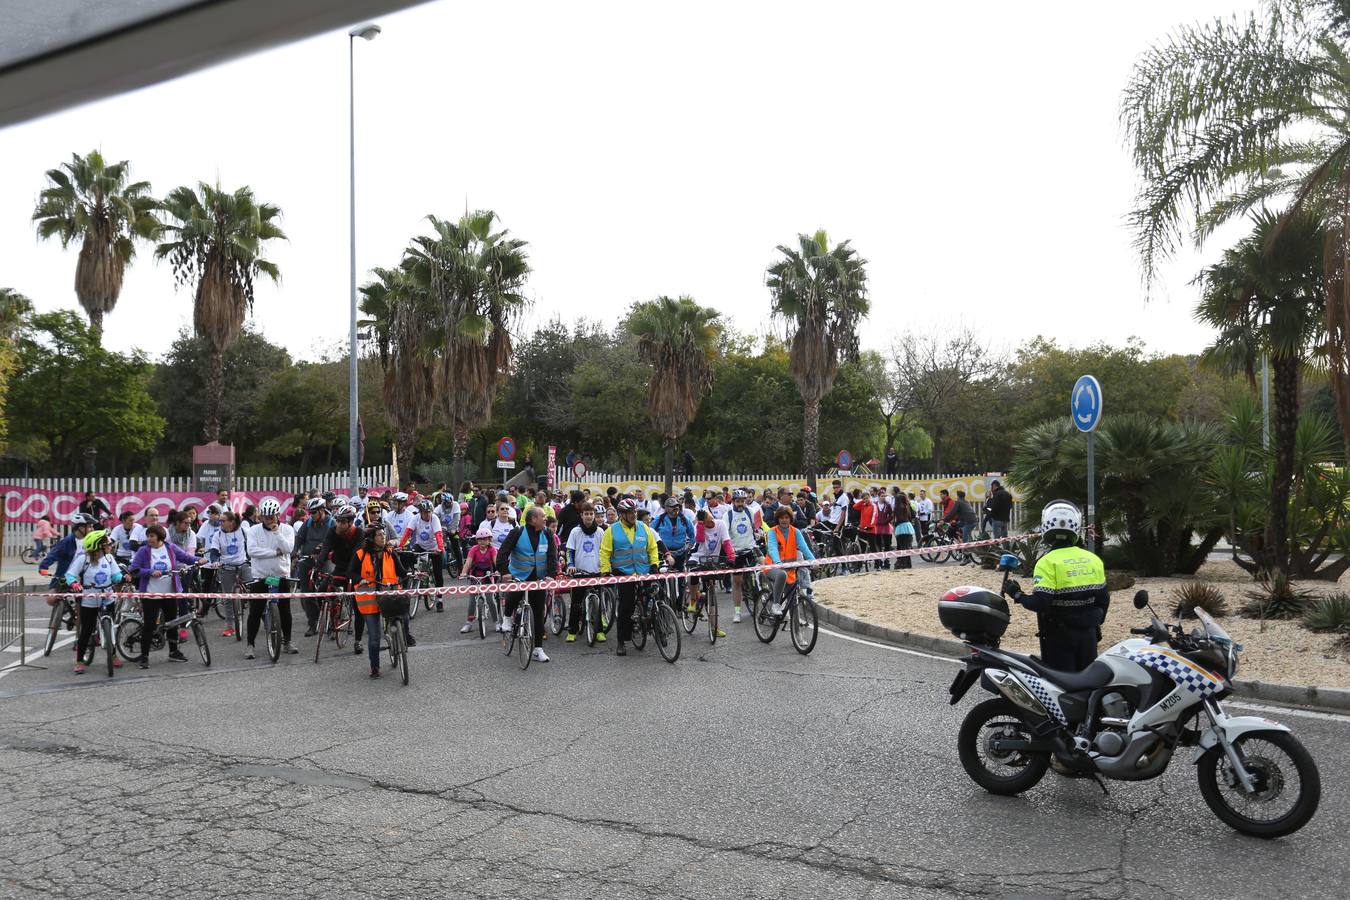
{"x": 365, "y": 32}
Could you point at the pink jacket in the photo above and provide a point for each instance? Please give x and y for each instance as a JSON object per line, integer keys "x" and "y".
{"x": 45, "y": 531}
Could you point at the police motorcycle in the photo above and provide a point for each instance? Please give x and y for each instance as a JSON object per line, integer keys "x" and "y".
{"x": 1125, "y": 716}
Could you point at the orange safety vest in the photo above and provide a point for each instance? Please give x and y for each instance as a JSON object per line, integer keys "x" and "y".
{"x": 366, "y": 604}
{"x": 787, "y": 550}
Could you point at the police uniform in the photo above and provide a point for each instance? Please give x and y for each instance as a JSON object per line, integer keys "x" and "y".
{"x": 1070, "y": 601}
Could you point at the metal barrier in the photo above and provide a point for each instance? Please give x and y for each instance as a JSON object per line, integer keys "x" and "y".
{"x": 13, "y": 624}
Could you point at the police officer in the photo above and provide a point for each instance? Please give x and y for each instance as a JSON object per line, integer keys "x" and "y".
{"x": 1070, "y": 598}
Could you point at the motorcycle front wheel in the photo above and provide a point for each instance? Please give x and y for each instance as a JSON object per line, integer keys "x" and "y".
{"x": 1004, "y": 772}
{"x": 1288, "y": 786}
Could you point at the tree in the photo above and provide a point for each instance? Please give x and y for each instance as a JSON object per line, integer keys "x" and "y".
{"x": 473, "y": 278}
{"x": 93, "y": 202}
{"x": 937, "y": 374}
{"x": 1138, "y": 382}
{"x": 1228, "y": 116}
{"x": 607, "y": 389}
{"x": 678, "y": 339}
{"x": 71, "y": 395}
{"x": 15, "y": 309}
{"x": 399, "y": 311}
{"x": 821, "y": 294}
{"x": 217, "y": 242}
{"x": 1265, "y": 298}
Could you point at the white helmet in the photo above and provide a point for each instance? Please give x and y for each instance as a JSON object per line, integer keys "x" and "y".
{"x": 1061, "y": 516}
{"x": 400, "y": 497}
{"x": 340, "y": 501}
{"x": 269, "y": 507}
{"x": 316, "y": 503}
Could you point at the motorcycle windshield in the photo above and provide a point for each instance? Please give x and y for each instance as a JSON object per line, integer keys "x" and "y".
{"x": 1213, "y": 631}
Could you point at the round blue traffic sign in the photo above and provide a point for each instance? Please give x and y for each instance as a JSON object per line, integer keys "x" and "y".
{"x": 506, "y": 448}
{"x": 844, "y": 460}
{"x": 1085, "y": 404}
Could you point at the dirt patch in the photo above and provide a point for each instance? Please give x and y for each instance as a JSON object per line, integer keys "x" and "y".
{"x": 1285, "y": 652}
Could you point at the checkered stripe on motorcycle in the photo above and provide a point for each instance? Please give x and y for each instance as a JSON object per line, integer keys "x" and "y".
{"x": 1189, "y": 677}
{"x": 1047, "y": 700}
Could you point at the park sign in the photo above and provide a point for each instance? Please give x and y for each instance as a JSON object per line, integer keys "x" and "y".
{"x": 1085, "y": 404}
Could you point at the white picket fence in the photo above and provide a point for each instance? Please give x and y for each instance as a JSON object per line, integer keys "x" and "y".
{"x": 18, "y": 535}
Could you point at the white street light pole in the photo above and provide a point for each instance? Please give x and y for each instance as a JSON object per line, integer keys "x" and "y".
{"x": 365, "y": 32}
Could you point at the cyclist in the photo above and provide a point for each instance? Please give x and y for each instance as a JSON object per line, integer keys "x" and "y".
{"x": 229, "y": 547}
{"x": 373, "y": 512}
{"x": 479, "y": 561}
{"x": 711, "y": 544}
{"x": 627, "y": 548}
{"x": 787, "y": 544}
{"x": 397, "y": 520}
{"x": 504, "y": 524}
{"x": 309, "y": 538}
{"x": 270, "y": 544}
{"x": 375, "y": 566}
{"x": 743, "y": 528}
{"x": 424, "y": 533}
{"x": 527, "y": 554}
{"x": 94, "y": 580}
{"x": 127, "y": 537}
{"x": 339, "y": 546}
{"x": 66, "y": 552}
{"x": 155, "y": 568}
{"x": 583, "y": 556}
{"x": 449, "y": 513}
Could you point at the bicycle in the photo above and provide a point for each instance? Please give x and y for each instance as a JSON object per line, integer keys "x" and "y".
{"x": 753, "y": 589}
{"x": 335, "y": 613}
{"x": 556, "y": 612}
{"x": 103, "y": 632}
{"x": 29, "y": 556}
{"x": 652, "y": 614}
{"x": 799, "y": 611}
{"x": 64, "y": 611}
{"x": 419, "y": 578}
{"x": 938, "y": 542}
{"x": 520, "y": 636}
{"x": 850, "y": 544}
{"x": 824, "y": 544}
{"x": 394, "y": 610}
{"x": 227, "y": 610}
{"x": 130, "y": 634}
{"x": 271, "y": 586}
{"x": 591, "y": 609}
{"x": 485, "y": 604}
{"x": 706, "y": 606}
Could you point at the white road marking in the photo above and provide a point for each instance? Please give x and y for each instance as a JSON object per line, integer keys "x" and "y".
{"x": 35, "y": 654}
{"x": 1274, "y": 711}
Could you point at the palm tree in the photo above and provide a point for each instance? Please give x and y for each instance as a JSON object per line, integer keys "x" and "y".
{"x": 88, "y": 200}
{"x": 398, "y": 314}
{"x": 14, "y": 311}
{"x": 473, "y": 278}
{"x": 678, "y": 338}
{"x": 1265, "y": 297}
{"x": 1224, "y": 117}
{"x": 821, "y": 293}
{"x": 217, "y": 242}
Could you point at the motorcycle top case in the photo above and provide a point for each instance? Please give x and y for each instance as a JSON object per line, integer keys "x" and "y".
{"x": 974, "y": 614}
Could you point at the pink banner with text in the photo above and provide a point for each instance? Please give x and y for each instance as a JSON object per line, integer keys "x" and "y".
{"x": 30, "y": 504}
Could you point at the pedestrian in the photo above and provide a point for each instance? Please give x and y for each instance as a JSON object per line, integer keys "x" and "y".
{"x": 904, "y": 530}
{"x": 923, "y": 513}
{"x": 94, "y": 507}
{"x": 892, "y": 464}
{"x": 998, "y": 509}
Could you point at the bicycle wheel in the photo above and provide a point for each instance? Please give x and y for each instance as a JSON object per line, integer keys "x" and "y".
{"x": 689, "y": 618}
{"x": 325, "y": 624}
{"x": 639, "y": 626}
{"x": 609, "y": 609}
{"x": 509, "y": 635}
{"x": 204, "y": 606}
{"x": 666, "y": 630}
{"x": 932, "y": 552}
{"x": 128, "y": 639}
{"x": 428, "y": 601}
{"x": 273, "y": 631}
{"x": 338, "y": 624}
{"x": 412, "y": 601}
{"x": 403, "y": 674}
{"x": 105, "y": 628}
{"x": 803, "y": 625}
{"x": 236, "y": 616}
{"x": 199, "y": 633}
{"x": 53, "y": 628}
{"x": 710, "y": 610}
{"x": 766, "y": 623}
{"x": 591, "y": 608}
{"x": 218, "y": 605}
{"x": 28, "y": 556}
{"x": 480, "y": 601}
{"x": 853, "y": 548}
{"x": 525, "y": 640}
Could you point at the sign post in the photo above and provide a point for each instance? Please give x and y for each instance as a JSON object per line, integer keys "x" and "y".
{"x": 844, "y": 461}
{"x": 506, "y": 454}
{"x": 578, "y": 470}
{"x": 1085, "y": 408}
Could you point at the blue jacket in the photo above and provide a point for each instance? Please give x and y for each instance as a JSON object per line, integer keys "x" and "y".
{"x": 62, "y": 553}
{"x": 677, "y": 534}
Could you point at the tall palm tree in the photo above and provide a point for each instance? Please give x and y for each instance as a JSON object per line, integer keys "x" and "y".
{"x": 821, "y": 293}
{"x": 1265, "y": 296}
{"x": 1229, "y": 116}
{"x": 216, "y": 240}
{"x": 93, "y": 202}
{"x": 474, "y": 279}
{"x": 398, "y": 313}
{"x": 678, "y": 339}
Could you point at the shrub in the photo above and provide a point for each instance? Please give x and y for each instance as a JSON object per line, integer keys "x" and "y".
{"x": 1116, "y": 558}
{"x": 1276, "y": 598}
{"x": 1331, "y": 613}
{"x": 1198, "y": 595}
{"x": 1119, "y": 581}
{"x": 1028, "y": 550}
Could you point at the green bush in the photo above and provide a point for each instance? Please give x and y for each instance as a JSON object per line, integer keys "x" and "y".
{"x": 1331, "y": 613}
{"x": 1276, "y": 598}
{"x": 1198, "y": 595}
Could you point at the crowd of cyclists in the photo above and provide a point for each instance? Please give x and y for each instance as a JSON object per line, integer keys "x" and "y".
{"x": 369, "y": 545}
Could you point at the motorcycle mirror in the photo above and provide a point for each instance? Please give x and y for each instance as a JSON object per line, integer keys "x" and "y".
{"x": 1141, "y": 599}
{"x": 1008, "y": 562}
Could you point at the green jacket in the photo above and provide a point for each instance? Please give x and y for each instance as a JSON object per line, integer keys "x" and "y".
{"x": 1070, "y": 587}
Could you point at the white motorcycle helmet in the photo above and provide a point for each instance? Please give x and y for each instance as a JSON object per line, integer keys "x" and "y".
{"x": 1060, "y": 517}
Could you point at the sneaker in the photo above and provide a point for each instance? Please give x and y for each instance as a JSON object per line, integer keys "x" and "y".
{"x": 776, "y": 609}
{"x": 621, "y": 651}
{"x": 503, "y": 627}
{"x": 735, "y": 620}
{"x": 143, "y": 664}
{"x": 117, "y": 662}
{"x": 412, "y": 641}
{"x": 440, "y": 606}
{"x": 177, "y": 656}
{"x": 539, "y": 655}
{"x": 287, "y": 647}
{"x": 358, "y": 649}
{"x": 691, "y": 608}
{"x": 600, "y": 637}
{"x": 79, "y": 668}
{"x": 571, "y": 638}
{"x": 248, "y": 652}
{"x": 721, "y": 633}
{"x": 228, "y": 632}
{"x": 468, "y": 626}
{"x": 374, "y": 673}
{"x": 311, "y": 631}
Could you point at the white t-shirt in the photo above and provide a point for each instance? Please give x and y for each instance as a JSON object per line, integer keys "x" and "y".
{"x": 397, "y": 522}
{"x": 232, "y": 546}
{"x": 925, "y": 509}
{"x": 741, "y": 527}
{"x": 499, "y": 532}
{"x": 839, "y": 509}
{"x": 719, "y": 512}
{"x": 97, "y": 578}
{"x": 161, "y": 569}
{"x": 424, "y": 532}
{"x": 122, "y": 538}
{"x": 585, "y": 548}
{"x": 710, "y": 548}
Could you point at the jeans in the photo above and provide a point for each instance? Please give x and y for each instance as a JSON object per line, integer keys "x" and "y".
{"x": 966, "y": 529}
{"x": 998, "y": 529}
{"x": 373, "y": 632}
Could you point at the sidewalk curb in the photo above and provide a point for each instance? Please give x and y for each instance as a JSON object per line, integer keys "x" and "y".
{"x": 1333, "y": 699}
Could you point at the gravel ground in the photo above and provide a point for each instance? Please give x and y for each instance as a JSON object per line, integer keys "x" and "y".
{"x": 1285, "y": 652}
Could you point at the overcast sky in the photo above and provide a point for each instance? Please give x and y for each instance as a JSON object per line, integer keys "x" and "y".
{"x": 972, "y": 153}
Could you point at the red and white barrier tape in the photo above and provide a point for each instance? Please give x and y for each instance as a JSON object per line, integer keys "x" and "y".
{"x": 565, "y": 584}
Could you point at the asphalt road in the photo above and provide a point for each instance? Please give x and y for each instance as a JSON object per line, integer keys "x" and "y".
{"x": 742, "y": 771}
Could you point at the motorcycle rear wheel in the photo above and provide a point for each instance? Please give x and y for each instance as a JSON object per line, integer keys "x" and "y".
{"x": 1017, "y": 770}
{"x": 1260, "y": 751}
